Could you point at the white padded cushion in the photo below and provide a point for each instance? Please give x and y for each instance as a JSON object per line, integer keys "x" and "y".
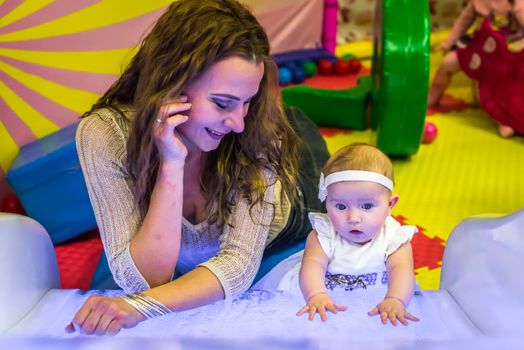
{"x": 482, "y": 270}
{"x": 28, "y": 267}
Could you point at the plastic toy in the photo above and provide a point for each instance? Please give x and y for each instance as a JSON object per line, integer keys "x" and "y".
{"x": 309, "y": 67}
{"x": 342, "y": 67}
{"x": 430, "y": 133}
{"x": 284, "y": 76}
{"x": 297, "y": 73}
{"x": 354, "y": 65}
{"x": 325, "y": 67}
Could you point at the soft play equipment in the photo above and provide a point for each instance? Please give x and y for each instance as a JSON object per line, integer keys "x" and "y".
{"x": 480, "y": 297}
{"x": 333, "y": 108}
{"x": 397, "y": 95}
{"x": 48, "y": 180}
{"x": 400, "y": 75}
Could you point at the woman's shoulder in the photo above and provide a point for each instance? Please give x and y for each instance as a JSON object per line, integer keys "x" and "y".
{"x": 119, "y": 116}
{"x": 103, "y": 131}
{"x": 114, "y": 121}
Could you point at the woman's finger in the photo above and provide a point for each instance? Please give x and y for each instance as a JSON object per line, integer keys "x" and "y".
{"x": 82, "y": 314}
{"x": 104, "y": 322}
{"x": 170, "y": 109}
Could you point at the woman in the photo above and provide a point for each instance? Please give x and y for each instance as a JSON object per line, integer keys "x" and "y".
{"x": 192, "y": 167}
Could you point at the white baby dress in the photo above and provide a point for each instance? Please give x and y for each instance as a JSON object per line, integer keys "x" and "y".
{"x": 350, "y": 265}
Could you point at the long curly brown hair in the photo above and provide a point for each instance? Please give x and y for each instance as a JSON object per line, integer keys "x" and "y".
{"x": 188, "y": 38}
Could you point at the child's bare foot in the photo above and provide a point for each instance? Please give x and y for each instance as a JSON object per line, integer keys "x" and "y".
{"x": 506, "y": 131}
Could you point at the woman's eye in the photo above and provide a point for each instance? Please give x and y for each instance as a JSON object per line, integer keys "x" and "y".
{"x": 340, "y": 206}
{"x": 367, "y": 206}
{"x": 221, "y": 105}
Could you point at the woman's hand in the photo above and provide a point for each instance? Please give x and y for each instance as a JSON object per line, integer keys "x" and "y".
{"x": 169, "y": 142}
{"x": 320, "y": 303}
{"x": 394, "y": 310}
{"x": 104, "y": 316}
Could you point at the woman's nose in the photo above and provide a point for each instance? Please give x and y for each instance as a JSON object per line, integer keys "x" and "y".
{"x": 235, "y": 120}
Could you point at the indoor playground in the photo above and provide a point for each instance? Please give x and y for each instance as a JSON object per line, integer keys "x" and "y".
{"x": 362, "y": 71}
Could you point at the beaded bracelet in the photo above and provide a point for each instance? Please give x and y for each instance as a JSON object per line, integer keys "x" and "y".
{"x": 147, "y": 306}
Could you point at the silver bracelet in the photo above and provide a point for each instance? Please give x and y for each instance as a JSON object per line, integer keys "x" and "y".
{"x": 147, "y": 306}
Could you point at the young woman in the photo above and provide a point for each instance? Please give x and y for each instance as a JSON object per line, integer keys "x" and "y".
{"x": 192, "y": 166}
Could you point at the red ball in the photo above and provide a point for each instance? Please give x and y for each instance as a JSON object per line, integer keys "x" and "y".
{"x": 430, "y": 133}
{"x": 354, "y": 65}
{"x": 11, "y": 204}
{"x": 342, "y": 67}
{"x": 325, "y": 67}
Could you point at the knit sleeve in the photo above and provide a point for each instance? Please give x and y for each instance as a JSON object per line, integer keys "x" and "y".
{"x": 101, "y": 146}
{"x": 242, "y": 243}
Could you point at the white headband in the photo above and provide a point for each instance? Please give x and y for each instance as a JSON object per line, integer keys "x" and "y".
{"x": 351, "y": 175}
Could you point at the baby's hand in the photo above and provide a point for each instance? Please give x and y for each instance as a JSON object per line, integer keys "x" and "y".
{"x": 320, "y": 303}
{"x": 393, "y": 309}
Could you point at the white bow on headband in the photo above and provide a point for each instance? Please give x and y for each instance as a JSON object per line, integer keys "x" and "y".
{"x": 351, "y": 175}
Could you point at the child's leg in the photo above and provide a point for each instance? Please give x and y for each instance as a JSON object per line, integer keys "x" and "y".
{"x": 445, "y": 72}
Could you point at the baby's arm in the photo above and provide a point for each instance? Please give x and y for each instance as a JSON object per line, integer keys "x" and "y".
{"x": 401, "y": 285}
{"x": 312, "y": 280}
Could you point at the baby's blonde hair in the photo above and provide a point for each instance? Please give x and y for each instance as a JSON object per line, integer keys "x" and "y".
{"x": 359, "y": 156}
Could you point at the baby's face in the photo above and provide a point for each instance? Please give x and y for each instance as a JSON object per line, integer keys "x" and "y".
{"x": 358, "y": 209}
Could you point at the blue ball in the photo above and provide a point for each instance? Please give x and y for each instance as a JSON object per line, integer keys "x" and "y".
{"x": 284, "y": 76}
{"x": 298, "y": 75}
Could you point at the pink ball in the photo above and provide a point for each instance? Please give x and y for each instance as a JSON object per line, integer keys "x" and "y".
{"x": 430, "y": 133}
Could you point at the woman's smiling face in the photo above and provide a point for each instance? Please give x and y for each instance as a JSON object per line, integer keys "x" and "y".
{"x": 220, "y": 100}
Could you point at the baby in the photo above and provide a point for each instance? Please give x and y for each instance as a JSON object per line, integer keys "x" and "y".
{"x": 357, "y": 244}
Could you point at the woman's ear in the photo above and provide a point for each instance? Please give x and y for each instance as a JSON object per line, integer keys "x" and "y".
{"x": 393, "y": 201}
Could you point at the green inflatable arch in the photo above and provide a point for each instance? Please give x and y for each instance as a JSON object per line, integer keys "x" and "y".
{"x": 400, "y": 74}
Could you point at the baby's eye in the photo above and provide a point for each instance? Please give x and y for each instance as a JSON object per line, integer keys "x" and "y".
{"x": 367, "y": 206}
{"x": 340, "y": 206}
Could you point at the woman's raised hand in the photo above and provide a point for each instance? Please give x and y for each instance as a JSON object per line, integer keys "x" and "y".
{"x": 168, "y": 140}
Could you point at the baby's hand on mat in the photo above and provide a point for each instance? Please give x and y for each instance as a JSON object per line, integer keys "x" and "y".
{"x": 394, "y": 310}
{"x": 320, "y": 303}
